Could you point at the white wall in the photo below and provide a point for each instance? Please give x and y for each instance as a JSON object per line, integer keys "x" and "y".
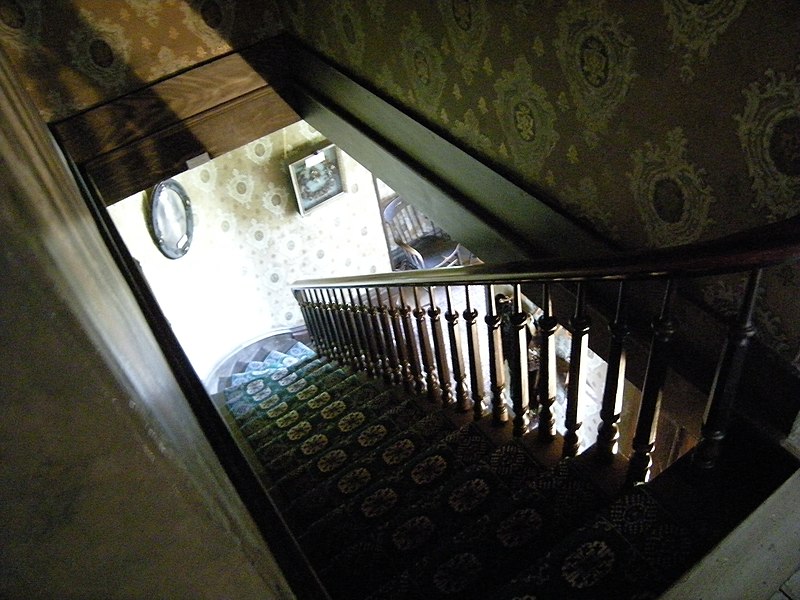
{"x": 250, "y": 243}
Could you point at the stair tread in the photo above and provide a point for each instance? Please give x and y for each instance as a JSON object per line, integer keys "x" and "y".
{"x": 420, "y": 502}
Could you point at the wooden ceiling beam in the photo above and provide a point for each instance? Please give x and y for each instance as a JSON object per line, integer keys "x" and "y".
{"x": 133, "y": 142}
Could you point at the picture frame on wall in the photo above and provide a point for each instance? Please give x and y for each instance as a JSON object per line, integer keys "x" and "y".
{"x": 316, "y": 178}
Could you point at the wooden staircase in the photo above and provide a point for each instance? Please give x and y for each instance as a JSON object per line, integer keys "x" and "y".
{"x": 392, "y": 496}
{"x": 413, "y": 448}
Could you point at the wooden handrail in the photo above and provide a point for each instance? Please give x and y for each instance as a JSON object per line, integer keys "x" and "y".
{"x": 759, "y": 247}
{"x": 748, "y": 251}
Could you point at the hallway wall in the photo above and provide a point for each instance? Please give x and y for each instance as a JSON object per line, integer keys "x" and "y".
{"x": 109, "y": 486}
{"x": 250, "y": 243}
{"x": 656, "y": 123}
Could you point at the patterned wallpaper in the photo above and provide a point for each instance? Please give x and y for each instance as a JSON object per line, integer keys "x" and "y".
{"x": 656, "y": 123}
{"x": 75, "y": 54}
{"x": 250, "y": 243}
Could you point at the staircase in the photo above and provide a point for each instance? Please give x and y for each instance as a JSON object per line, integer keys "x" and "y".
{"x": 413, "y": 454}
{"x": 390, "y": 496}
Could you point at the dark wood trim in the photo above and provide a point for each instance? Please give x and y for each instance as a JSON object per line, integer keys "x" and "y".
{"x": 153, "y": 108}
{"x": 274, "y": 530}
{"x": 461, "y": 193}
{"x": 142, "y": 138}
{"x": 163, "y": 154}
{"x": 763, "y": 246}
{"x": 70, "y": 233}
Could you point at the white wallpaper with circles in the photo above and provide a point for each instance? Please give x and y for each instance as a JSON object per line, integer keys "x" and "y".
{"x": 250, "y": 243}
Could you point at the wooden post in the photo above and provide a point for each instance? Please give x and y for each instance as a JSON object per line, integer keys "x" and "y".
{"x": 579, "y": 328}
{"x": 439, "y": 352}
{"x": 327, "y": 319}
{"x": 354, "y": 317}
{"x": 371, "y": 346}
{"x": 548, "y": 388}
{"x": 497, "y": 373}
{"x": 463, "y": 402}
{"x": 655, "y": 375}
{"x": 382, "y": 366}
{"x": 608, "y": 430}
{"x": 349, "y": 329}
{"x": 431, "y": 378}
{"x": 726, "y": 380}
{"x": 473, "y": 352}
{"x": 392, "y": 373}
{"x": 412, "y": 350}
{"x": 518, "y": 360}
{"x": 401, "y": 347}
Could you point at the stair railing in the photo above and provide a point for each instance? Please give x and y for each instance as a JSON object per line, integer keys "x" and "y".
{"x": 401, "y": 337}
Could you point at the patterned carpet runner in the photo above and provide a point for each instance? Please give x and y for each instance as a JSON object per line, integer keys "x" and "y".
{"x": 390, "y": 498}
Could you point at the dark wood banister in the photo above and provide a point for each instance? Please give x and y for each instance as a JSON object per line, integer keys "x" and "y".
{"x": 759, "y": 247}
{"x": 742, "y": 252}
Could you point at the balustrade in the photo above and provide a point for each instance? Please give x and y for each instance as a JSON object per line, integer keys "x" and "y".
{"x": 380, "y": 325}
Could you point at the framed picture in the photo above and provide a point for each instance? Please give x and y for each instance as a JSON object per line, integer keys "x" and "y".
{"x": 316, "y": 178}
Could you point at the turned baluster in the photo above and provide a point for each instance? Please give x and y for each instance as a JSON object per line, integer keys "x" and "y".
{"x": 726, "y": 379}
{"x": 324, "y": 316}
{"x": 439, "y": 352}
{"x": 382, "y": 367}
{"x": 497, "y": 372}
{"x": 351, "y": 332}
{"x": 301, "y": 303}
{"x": 608, "y": 430}
{"x": 316, "y": 323}
{"x": 354, "y": 318}
{"x": 412, "y": 351}
{"x": 548, "y": 382}
{"x": 473, "y": 351}
{"x": 336, "y": 341}
{"x": 579, "y": 329}
{"x": 340, "y": 327}
{"x": 655, "y": 375}
{"x": 394, "y": 373}
{"x": 426, "y": 352}
{"x": 403, "y": 372}
{"x": 371, "y": 347}
{"x": 463, "y": 403}
{"x": 518, "y": 362}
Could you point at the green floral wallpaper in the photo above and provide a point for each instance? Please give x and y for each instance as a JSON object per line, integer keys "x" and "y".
{"x": 75, "y": 54}
{"x": 250, "y": 243}
{"x": 655, "y": 123}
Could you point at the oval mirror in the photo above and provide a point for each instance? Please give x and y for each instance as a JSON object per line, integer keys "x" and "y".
{"x": 170, "y": 218}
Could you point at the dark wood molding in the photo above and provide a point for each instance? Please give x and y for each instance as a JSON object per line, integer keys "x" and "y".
{"x": 81, "y": 260}
{"x": 137, "y": 140}
{"x": 359, "y": 121}
{"x": 162, "y": 154}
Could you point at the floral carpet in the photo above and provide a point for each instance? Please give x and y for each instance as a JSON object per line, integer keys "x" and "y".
{"x": 390, "y": 498}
